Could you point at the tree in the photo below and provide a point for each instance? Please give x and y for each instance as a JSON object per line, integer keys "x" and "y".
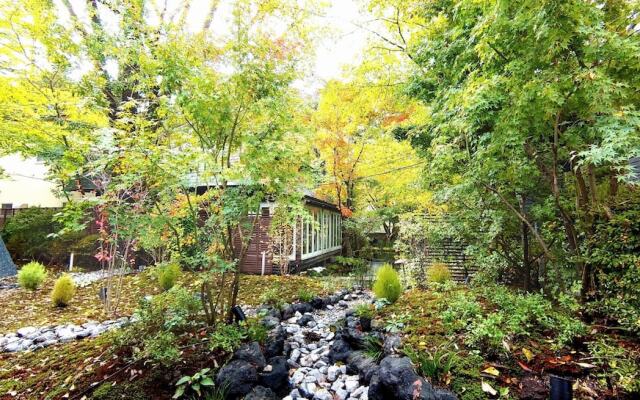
{"x": 130, "y": 97}
{"x": 538, "y": 130}
{"x": 370, "y": 174}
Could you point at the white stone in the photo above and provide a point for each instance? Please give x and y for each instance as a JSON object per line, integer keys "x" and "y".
{"x": 332, "y": 373}
{"x": 322, "y": 394}
{"x": 28, "y": 330}
{"x": 341, "y": 394}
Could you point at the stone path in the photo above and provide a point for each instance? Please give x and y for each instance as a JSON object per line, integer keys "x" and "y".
{"x": 312, "y": 375}
{"x": 83, "y": 279}
{"x": 32, "y": 338}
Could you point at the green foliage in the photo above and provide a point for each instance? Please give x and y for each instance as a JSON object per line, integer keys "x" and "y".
{"x": 435, "y": 364}
{"x": 26, "y": 234}
{"x": 272, "y": 297}
{"x": 439, "y": 273}
{"x": 31, "y": 275}
{"x": 159, "y": 323}
{"x": 373, "y": 347}
{"x": 617, "y": 364}
{"x": 365, "y": 310}
{"x": 615, "y": 253}
{"x": 162, "y": 348}
{"x": 227, "y": 337}
{"x": 35, "y": 233}
{"x": 349, "y": 264}
{"x": 63, "y": 291}
{"x": 306, "y": 294}
{"x": 397, "y": 322}
{"x": 515, "y": 316}
{"x": 197, "y": 382}
{"x": 460, "y": 310}
{"x": 387, "y": 284}
{"x": 168, "y": 274}
{"x": 256, "y": 331}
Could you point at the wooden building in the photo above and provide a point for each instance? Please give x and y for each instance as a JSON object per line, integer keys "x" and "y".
{"x": 315, "y": 241}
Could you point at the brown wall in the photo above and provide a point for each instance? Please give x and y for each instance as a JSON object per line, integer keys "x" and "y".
{"x": 260, "y": 242}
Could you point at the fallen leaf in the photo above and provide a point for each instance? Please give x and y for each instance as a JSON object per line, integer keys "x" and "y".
{"x": 527, "y": 353}
{"x": 506, "y": 345}
{"x": 524, "y": 366}
{"x": 492, "y": 371}
{"x": 488, "y": 389}
{"x": 586, "y": 365}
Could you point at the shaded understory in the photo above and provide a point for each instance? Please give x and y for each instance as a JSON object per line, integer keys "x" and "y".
{"x": 465, "y": 337}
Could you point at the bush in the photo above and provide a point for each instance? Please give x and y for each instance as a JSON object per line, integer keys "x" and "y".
{"x": 63, "y": 291}
{"x": 387, "y": 284}
{"x": 227, "y": 338}
{"x": 305, "y": 294}
{"x": 272, "y": 297}
{"x": 438, "y": 273}
{"x": 168, "y": 275}
{"x": 31, "y": 275}
{"x": 159, "y": 324}
{"x": 364, "y": 310}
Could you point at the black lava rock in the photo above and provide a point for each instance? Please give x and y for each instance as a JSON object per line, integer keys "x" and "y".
{"x": 288, "y": 312}
{"x": 261, "y": 393}
{"x": 359, "y": 363}
{"x": 354, "y": 337}
{"x": 239, "y": 377}
{"x": 304, "y": 320}
{"x": 269, "y": 311}
{"x": 317, "y": 303}
{"x": 278, "y": 378}
{"x": 251, "y": 353}
{"x": 339, "y": 351}
{"x": 302, "y": 308}
{"x": 397, "y": 379}
{"x": 274, "y": 345}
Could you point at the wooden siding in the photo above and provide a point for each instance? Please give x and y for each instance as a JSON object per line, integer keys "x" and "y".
{"x": 260, "y": 241}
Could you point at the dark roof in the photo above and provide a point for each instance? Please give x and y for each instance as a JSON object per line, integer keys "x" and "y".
{"x": 314, "y": 201}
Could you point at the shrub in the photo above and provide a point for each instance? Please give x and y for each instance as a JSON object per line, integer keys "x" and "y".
{"x": 32, "y": 275}
{"x": 159, "y": 323}
{"x": 374, "y": 347}
{"x": 63, "y": 291}
{"x": 168, "y": 275}
{"x": 227, "y": 338}
{"x": 305, "y": 294}
{"x": 438, "y": 273}
{"x": 387, "y": 283}
{"x": 461, "y": 310}
{"x": 364, "y": 310}
{"x": 272, "y": 297}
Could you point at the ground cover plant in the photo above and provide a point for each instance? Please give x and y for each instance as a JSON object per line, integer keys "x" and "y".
{"x": 509, "y": 341}
{"x": 495, "y": 143}
{"x": 37, "y": 309}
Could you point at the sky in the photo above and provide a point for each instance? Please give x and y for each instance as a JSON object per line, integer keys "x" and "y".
{"x": 342, "y": 41}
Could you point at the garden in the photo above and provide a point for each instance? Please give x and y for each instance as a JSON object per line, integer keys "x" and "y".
{"x": 453, "y": 213}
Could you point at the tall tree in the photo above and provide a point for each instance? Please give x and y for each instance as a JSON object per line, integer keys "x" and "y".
{"x": 534, "y": 115}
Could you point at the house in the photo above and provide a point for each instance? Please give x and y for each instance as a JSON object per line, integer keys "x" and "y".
{"x": 314, "y": 241}
{"x": 25, "y": 183}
